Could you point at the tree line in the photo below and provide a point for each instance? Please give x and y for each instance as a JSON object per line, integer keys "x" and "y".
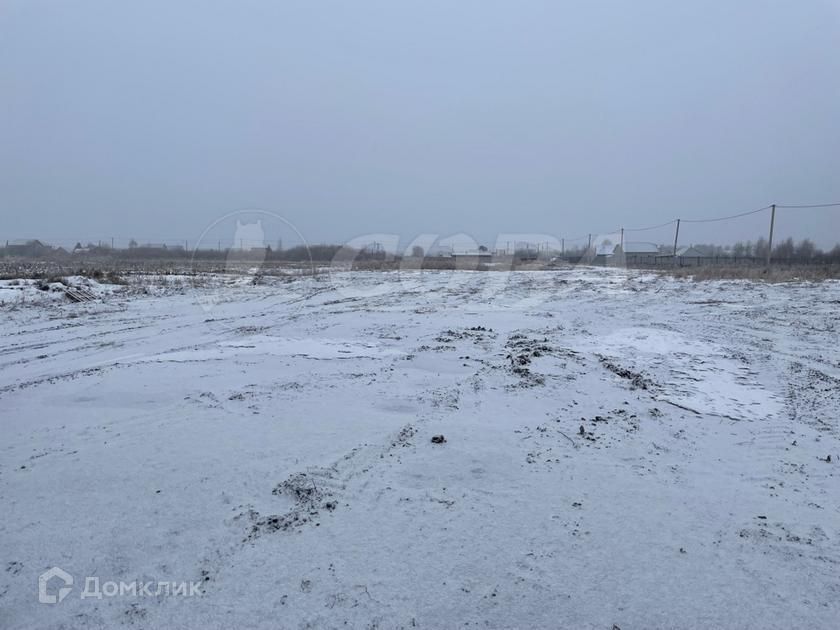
{"x": 787, "y": 250}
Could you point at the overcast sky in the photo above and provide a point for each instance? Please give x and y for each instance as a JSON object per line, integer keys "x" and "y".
{"x": 153, "y": 119}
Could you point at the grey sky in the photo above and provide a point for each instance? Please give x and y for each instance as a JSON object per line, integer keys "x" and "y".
{"x": 152, "y": 119}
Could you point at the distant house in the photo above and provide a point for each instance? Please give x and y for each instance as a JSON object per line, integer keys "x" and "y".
{"x": 478, "y": 252}
{"x": 27, "y": 248}
{"x": 640, "y": 249}
{"x": 605, "y": 253}
{"x": 690, "y": 255}
{"x": 441, "y": 251}
{"x": 632, "y": 252}
{"x": 690, "y": 252}
{"x": 471, "y": 259}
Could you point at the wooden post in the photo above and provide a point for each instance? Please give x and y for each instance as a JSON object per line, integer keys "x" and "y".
{"x": 676, "y": 240}
{"x": 770, "y": 241}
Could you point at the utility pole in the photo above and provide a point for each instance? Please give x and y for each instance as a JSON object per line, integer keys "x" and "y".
{"x": 622, "y": 240}
{"x": 676, "y": 239}
{"x": 770, "y": 241}
{"x": 562, "y": 247}
{"x": 589, "y": 247}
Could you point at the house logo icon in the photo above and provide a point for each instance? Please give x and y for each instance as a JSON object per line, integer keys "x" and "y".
{"x": 43, "y": 583}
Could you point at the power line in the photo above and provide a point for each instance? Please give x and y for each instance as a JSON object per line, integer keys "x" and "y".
{"x": 812, "y": 205}
{"x": 577, "y": 238}
{"x": 653, "y": 227}
{"x": 734, "y": 216}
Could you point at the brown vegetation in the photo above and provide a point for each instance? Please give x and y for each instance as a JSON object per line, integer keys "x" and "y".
{"x": 774, "y": 273}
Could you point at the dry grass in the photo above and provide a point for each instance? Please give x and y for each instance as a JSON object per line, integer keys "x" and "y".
{"x": 445, "y": 263}
{"x": 775, "y": 273}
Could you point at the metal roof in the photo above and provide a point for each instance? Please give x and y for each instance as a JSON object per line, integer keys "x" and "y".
{"x": 640, "y": 248}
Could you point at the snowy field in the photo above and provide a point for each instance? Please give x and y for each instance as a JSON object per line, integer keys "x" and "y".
{"x": 621, "y": 451}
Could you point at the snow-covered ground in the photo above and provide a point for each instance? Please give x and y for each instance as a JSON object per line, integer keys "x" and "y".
{"x": 622, "y": 450}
